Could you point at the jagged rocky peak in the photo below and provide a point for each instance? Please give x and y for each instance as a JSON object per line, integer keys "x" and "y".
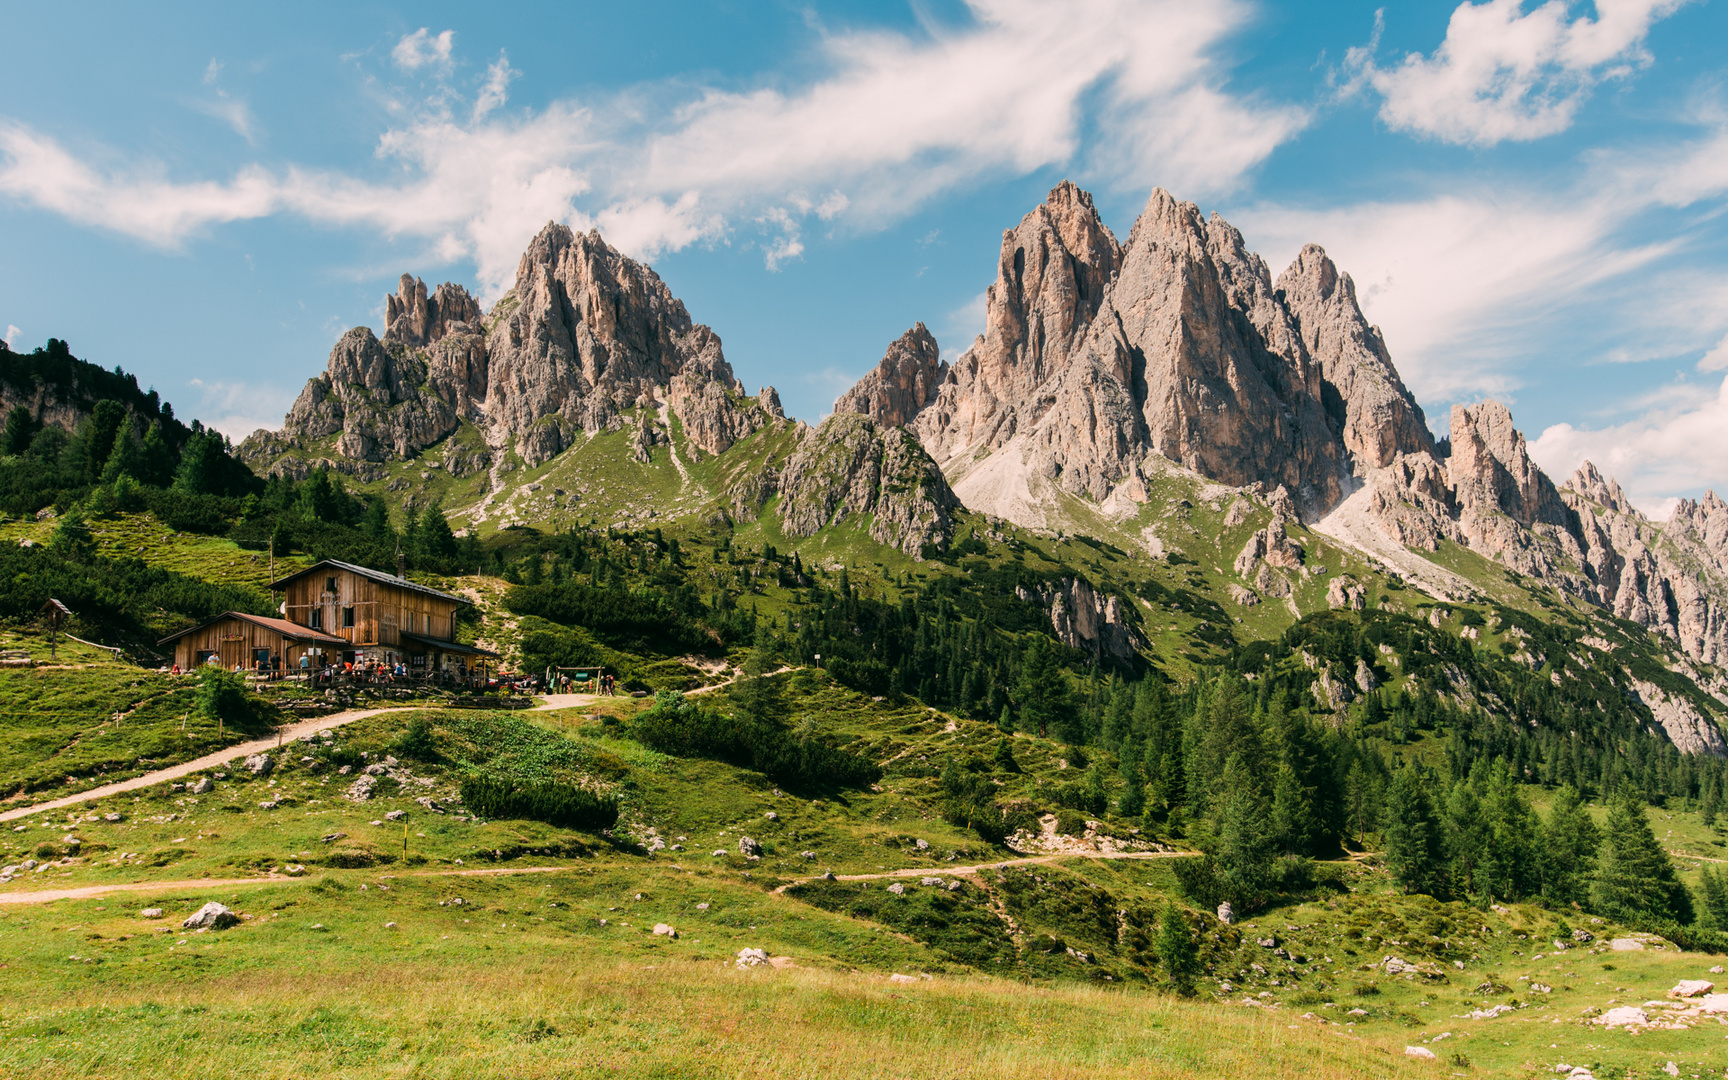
{"x": 416, "y": 320}
{"x": 1589, "y": 483}
{"x": 1491, "y": 471}
{"x": 850, "y": 464}
{"x": 584, "y": 334}
{"x": 1051, "y": 276}
{"x": 1366, "y": 403}
{"x": 902, "y": 384}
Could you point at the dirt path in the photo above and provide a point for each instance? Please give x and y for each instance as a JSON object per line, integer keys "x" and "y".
{"x": 208, "y": 761}
{"x": 548, "y": 702}
{"x": 998, "y": 864}
{"x": 86, "y": 892}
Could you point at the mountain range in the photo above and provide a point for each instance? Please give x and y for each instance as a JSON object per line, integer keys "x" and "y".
{"x": 1104, "y": 367}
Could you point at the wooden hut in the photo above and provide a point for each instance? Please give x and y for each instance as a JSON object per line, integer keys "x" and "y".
{"x": 381, "y": 618}
{"x": 235, "y": 637}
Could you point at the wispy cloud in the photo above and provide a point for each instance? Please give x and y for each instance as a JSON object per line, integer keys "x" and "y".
{"x": 898, "y": 119}
{"x": 12, "y": 336}
{"x": 237, "y": 409}
{"x": 423, "y": 49}
{"x": 1669, "y": 450}
{"x": 1503, "y": 73}
{"x": 1473, "y": 283}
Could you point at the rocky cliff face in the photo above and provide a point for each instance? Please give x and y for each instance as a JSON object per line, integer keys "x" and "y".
{"x": 852, "y": 465}
{"x": 902, "y": 384}
{"x": 1097, "y": 355}
{"x": 584, "y": 334}
{"x": 415, "y": 319}
{"x": 1083, "y": 618}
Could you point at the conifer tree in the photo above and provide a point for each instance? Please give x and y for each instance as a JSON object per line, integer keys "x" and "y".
{"x": 1177, "y": 950}
{"x": 1241, "y": 844}
{"x": 1414, "y": 855}
{"x": 1570, "y": 840}
{"x": 1635, "y": 880}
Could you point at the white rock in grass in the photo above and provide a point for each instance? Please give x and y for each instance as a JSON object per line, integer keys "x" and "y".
{"x": 897, "y": 889}
{"x": 748, "y": 847}
{"x": 204, "y": 786}
{"x": 662, "y": 930}
{"x": 150, "y": 913}
{"x": 1624, "y": 1016}
{"x": 211, "y": 916}
{"x": 260, "y": 764}
{"x": 1691, "y": 988}
{"x": 1419, "y": 1052}
{"x": 749, "y": 958}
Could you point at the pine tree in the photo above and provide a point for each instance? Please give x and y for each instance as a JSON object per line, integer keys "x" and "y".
{"x": 1177, "y": 951}
{"x": 1241, "y": 845}
{"x": 1634, "y": 877}
{"x": 20, "y": 429}
{"x": 1413, "y": 852}
{"x": 1004, "y": 758}
{"x": 1509, "y": 860}
{"x": 1570, "y": 841}
{"x": 1715, "y": 888}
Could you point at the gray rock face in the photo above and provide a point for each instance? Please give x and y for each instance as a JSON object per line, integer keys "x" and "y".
{"x": 1083, "y": 619}
{"x": 1365, "y": 401}
{"x": 584, "y": 334}
{"x": 1097, "y": 355}
{"x": 902, "y": 384}
{"x": 850, "y": 465}
{"x": 415, "y": 319}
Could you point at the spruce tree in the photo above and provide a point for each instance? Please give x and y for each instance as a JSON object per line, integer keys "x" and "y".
{"x": 1509, "y": 868}
{"x": 1570, "y": 840}
{"x": 1635, "y": 880}
{"x": 1715, "y": 888}
{"x": 1177, "y": 950}
{"x": 1241, "y": 844}
{"x": 1413, "y": 850}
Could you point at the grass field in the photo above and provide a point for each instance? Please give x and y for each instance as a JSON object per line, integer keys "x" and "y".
{"x": 365, "y": 965}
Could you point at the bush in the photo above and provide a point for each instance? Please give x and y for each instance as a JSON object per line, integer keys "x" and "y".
{"x": 417, "y": 743}
{"x": 564, "y": 805}
{"x": 678, "y": 727}
{"x": 221, "y": 695}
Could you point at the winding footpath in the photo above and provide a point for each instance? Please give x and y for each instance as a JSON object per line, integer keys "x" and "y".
{"x": 288, "y": 734}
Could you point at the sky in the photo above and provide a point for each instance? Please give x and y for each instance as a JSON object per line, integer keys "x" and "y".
{"x": 1529, "y": 196}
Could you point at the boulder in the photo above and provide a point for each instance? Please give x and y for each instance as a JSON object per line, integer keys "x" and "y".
{"x": 749, "y": 958}
{"x": 749, "y": 848}
{"x": 1419, "y": 1052}
{"x": 212, "y": 916}
{"x": 396, "y": 815}
{"x": 150, "y": 913}
{"x": 1691, "y": 988}
{"x": 260, "y": 764}
{"x": 663, "y": 930}
{"x": 204, "y": 786}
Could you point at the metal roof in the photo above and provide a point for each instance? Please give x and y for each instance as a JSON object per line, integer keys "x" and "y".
{"x": 375, "y": 575}
{"x": 287, "y": 629}
{"x": 445, "y": 646}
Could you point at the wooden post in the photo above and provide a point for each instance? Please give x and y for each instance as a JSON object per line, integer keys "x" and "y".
{"x": 404, "y": 841}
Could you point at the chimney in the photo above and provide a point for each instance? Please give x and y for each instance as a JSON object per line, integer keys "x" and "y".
{"x": 401, "y": 567}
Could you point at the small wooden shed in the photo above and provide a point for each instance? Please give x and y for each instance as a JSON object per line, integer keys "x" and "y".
{"x": 235, "y": 637}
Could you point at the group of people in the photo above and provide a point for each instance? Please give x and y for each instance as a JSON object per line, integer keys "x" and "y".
{"x": 603, "y": 684}
{"x": 325, "y": 671}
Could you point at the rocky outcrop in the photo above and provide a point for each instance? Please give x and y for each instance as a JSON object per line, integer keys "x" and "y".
{"x": 902, "y": 384}
{"x": 1096, "y": 356}
{"x": 374, "y": 398}
{"x": 1051, "y": 278}
{"x": 850, "y": 465}
{"x": 1083, "y": 618}
{"x": 1366, "y": 403}
{"x": 584, "y": 334}
{"x": 1688, "y": 729}
{"x": 415, "y": 319}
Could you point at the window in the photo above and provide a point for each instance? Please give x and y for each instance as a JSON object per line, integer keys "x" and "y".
{"x": 329, "y": 584}
{"x": 348, "y": 617}
{"x": 316, "y": 622}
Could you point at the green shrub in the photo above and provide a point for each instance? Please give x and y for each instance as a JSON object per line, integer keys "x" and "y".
{"x": 563, "y": 805}
{"x": 676, "y": 726}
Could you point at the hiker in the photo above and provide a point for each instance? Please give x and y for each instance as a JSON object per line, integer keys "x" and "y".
{"x": 176, "y": 669}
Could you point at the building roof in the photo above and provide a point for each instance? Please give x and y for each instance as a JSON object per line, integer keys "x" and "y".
{"x": 445, "y": 646}
{"x": 291, "y": 630}
{"x": 367, "y": 572}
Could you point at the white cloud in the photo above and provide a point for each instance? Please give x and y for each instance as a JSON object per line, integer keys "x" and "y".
{"x": 231, "y": 111}
{"x": 1716, "y": 359}
{"x": 421, "y": 48}
{"x": 237, "y": 409}
{"x": 495, "y": 91}
{"x": 1503, "y": 73}
{"x": 1671, "y": 449}
{"x": 12, "y": 336}
{"x": 895, "y": 120}
{"x": 1472, "y": 285}
{"x": 211, "y": 71}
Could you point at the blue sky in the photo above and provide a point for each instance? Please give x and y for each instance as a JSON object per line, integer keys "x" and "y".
{"x": 1529, "y": 196}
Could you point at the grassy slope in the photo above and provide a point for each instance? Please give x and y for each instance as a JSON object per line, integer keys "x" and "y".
{"x": 525, "y": 979}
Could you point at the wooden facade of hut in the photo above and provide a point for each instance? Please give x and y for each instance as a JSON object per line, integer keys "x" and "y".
{"x": 235, "y": 637}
